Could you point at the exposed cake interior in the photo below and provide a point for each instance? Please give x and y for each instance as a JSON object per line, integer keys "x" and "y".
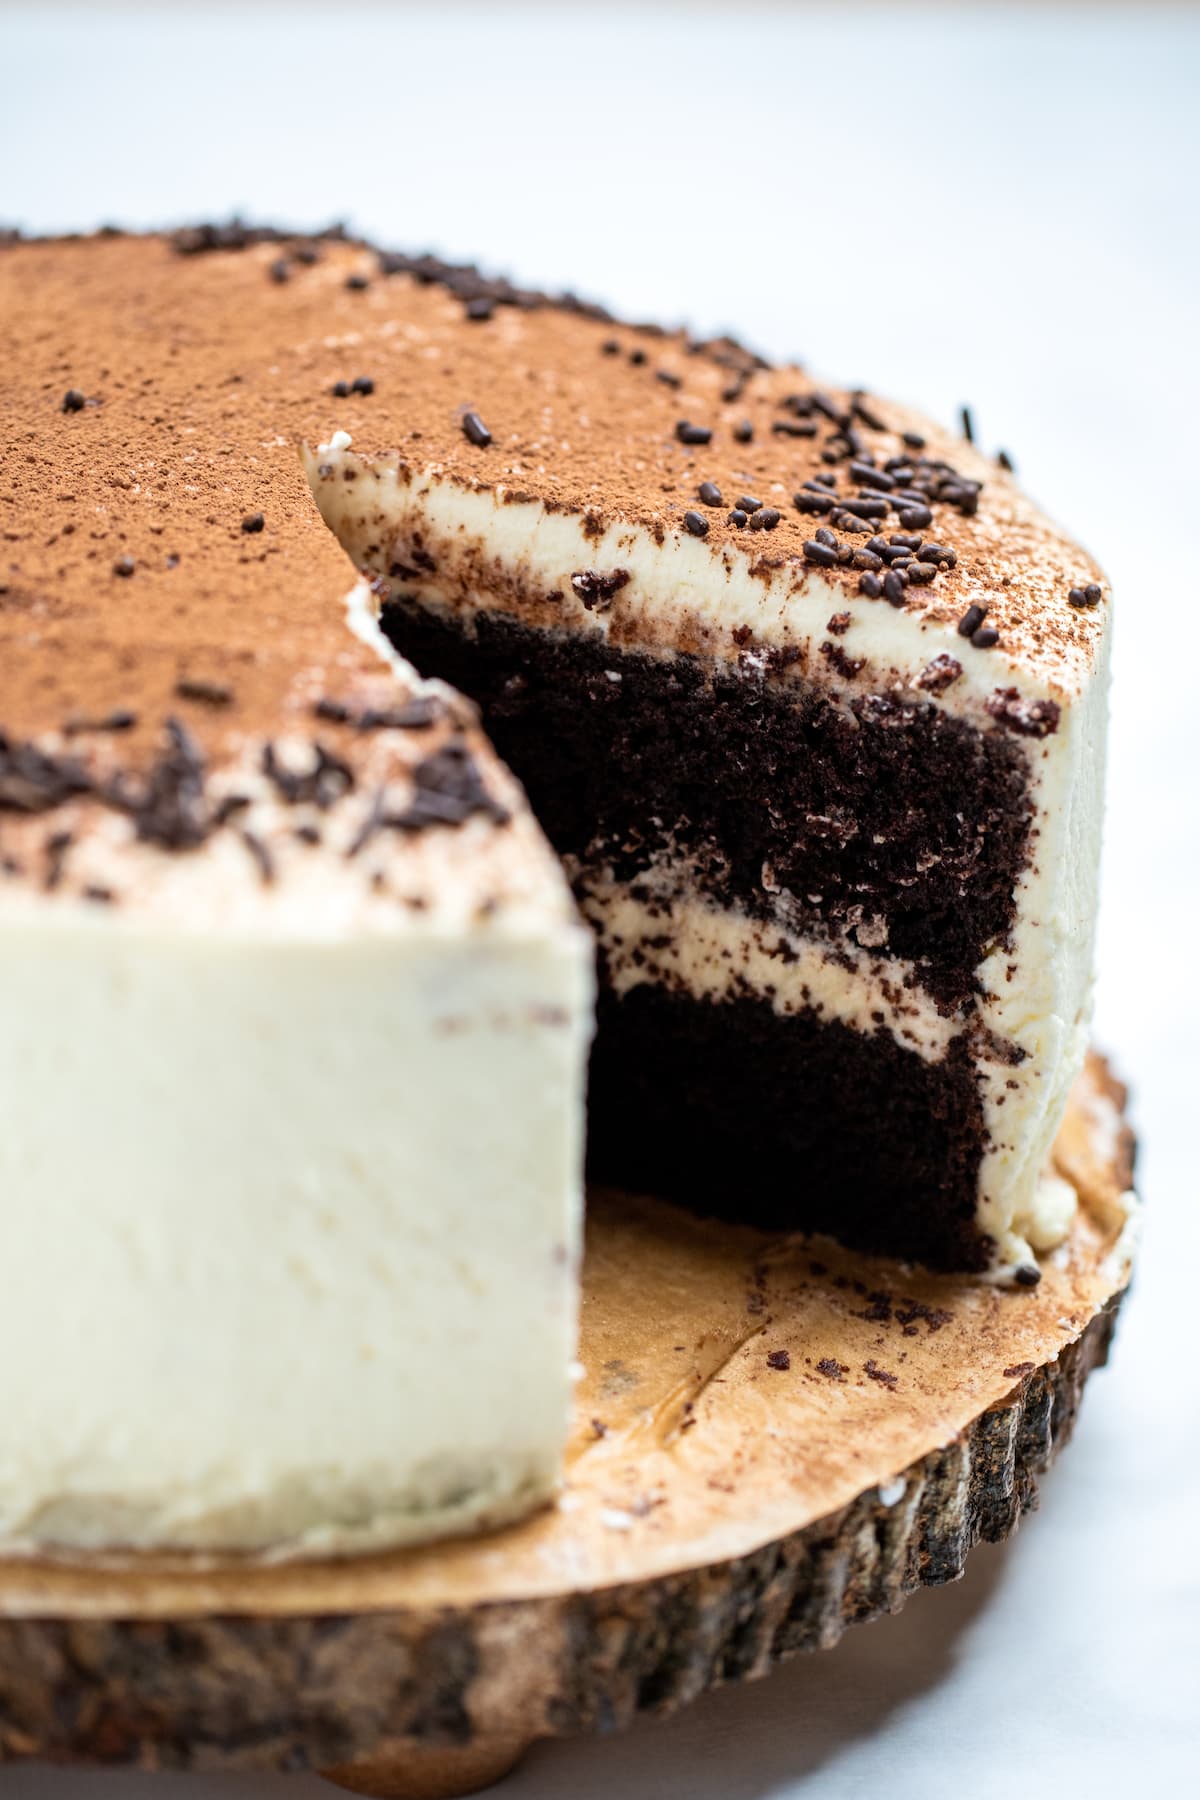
{"x": 840, "y": 858}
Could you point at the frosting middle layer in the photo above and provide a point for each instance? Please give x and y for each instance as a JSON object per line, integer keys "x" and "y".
{"x": 650, "y": 932}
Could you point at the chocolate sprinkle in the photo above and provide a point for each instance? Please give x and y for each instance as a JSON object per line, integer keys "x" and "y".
{"x": 169, "y": 808}
{"x": 696, "y": 523}
{"x": 57, "y": 845}
{"x": 687, "y": 433}
{"x": 35, "y": 782}
{"x": 325, "y": 781}
{"x": 449, "y": 791}
{"x": 1029, "y": 718}
{"x": 228, "y": 807}
{"x": 866, "y": 507}
{"x": 986, "y": 638}
{"x": 971, "y": 620}
{"x": 261, "y": 855}
{"x": 939, "y": 674}
{"x": 121, "y": 720}
{"x": 596, "y": 589}
{"x": 252, "y": 523}
{"x": 864, "y": 414}
{"x": 205, "y": 693}
{"x": 73, "y": 401}
{"x": 475, "y": 431}
{"x": 414, "y": 715}
{"x": 710, "y": 494}
{"x": 870, "y": 477}
{"x": 124, "y": 566}
{"x": 743, "y": 432}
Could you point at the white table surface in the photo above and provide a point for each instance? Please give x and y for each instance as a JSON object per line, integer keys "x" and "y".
{"x": 945, "y": 203}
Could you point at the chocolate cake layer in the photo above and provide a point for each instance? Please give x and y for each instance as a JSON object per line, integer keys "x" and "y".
{"x": 771, "y": 1121}
{"x": 756, "y": 781}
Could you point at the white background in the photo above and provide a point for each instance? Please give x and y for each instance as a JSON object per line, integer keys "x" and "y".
{"x": 946, "y": 203}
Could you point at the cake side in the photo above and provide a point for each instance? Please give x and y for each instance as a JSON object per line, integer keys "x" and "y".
{"x": 292, "y": 1235}
{"x": 325, "y": 1125}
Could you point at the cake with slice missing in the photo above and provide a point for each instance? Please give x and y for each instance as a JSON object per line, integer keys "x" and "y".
{"x": 808, "y": 699}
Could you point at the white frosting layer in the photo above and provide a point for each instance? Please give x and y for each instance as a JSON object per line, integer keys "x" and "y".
{"x": 519, "y": 556}
{"x": 715, "y": 952}
{"x": 679, "y": 593}
{"x": 291, "y": 1197}
{"x": 1037, "y": 992}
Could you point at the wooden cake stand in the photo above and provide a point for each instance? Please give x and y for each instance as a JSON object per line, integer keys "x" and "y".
{"x": 774, "y": 1439}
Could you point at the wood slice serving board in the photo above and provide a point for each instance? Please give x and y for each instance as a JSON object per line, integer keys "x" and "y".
{"x": 774, "y": 1439}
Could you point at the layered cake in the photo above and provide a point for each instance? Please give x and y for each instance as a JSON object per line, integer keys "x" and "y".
{"x": 812, "y": 702}
{"x": 809, "y": 701}
{"x": 295, "y": 999}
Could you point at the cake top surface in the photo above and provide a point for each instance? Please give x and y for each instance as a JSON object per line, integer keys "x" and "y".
{"x": 162, "y": 558}
{"x": 619, "y": 425}
{"x": 175, "y": 666}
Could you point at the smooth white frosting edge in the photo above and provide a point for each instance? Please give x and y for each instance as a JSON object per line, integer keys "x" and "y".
{"x": 292, "y": 1233}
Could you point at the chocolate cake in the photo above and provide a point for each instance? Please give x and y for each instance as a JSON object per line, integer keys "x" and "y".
{"x": 812, "y": 702}
{"x": 808, "y": 698}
